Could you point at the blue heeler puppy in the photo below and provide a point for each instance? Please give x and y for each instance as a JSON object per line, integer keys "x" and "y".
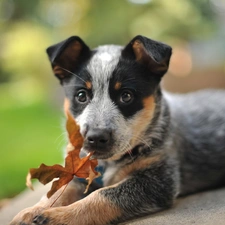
{"x": 153, "y": 146}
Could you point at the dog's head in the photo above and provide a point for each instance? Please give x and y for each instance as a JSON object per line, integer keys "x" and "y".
{"x": 110, "y": 91}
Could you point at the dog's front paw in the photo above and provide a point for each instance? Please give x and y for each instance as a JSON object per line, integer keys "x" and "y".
{"x": 41, "y": 219}
{"x": 53, "y": 216}
{"x": 26, "y": 216}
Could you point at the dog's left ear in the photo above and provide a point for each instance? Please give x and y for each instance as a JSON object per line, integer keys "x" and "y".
{"x": 67, "y": 55}
{"x": 153, "y": 54}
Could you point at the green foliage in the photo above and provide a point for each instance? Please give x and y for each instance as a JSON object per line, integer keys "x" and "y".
{"x": 28, "y": 127}
{"x": 29, "y": 136}
{"x": 33, "y": 26}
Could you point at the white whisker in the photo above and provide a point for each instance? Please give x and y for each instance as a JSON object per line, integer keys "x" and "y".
{"x": 60, "y": 136}
{"x": 63, "y": 139}
{"x": 72, "y": 74}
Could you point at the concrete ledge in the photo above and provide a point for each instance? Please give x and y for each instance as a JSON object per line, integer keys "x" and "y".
{"x": 207, "y": 208}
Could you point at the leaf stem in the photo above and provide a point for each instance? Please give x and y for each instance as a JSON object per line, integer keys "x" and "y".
{"x": 59, "y": 195}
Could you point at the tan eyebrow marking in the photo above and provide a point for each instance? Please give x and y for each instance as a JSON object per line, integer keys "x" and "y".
{"x": 117, "y": 86}
{"x": 88, "y": 85}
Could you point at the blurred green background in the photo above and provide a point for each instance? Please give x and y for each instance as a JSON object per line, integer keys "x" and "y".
{"x": 31, "y": 117}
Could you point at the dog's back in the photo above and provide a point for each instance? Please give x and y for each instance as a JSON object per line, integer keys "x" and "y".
{"x": 198, "y": 123}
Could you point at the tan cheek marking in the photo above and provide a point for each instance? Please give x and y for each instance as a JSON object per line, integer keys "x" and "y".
{"x": 66, "y": 106}
{"x": 97, "y": 209}
{"x": 137, "y": 165}
{"x": 117, "y": 86}
{"x": 69, "y": 146}
{"x": 140, "y": 124}
{"x": 88, "y": 85}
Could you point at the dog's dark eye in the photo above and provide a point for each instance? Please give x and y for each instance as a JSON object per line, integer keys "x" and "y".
{"x": 82, "y": 96}
{"x": 126, "y": 97}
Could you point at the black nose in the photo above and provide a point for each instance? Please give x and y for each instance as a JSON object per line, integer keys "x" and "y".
{"x": 98, "y": 138}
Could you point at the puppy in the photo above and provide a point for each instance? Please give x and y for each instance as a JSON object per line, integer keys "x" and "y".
{"x": 154, "y": 146}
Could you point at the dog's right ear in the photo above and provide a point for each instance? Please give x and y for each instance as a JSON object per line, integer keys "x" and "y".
{"x": 67, "y": 55}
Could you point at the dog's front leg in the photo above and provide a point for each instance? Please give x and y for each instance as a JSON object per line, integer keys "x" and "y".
{"x": 142, "y": 193}
{"x": 73, "y": 192}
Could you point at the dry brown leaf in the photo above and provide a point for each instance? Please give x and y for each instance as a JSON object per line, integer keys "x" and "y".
{"x": 74, "y": 165}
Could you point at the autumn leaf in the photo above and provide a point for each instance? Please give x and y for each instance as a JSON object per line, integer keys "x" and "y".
{"x": 74, "y": 165}
{"x": 75, "y": 138}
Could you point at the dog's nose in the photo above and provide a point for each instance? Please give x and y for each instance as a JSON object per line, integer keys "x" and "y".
{"x": 98, "y": 138}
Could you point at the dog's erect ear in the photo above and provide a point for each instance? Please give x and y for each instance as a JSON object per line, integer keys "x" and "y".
{"x": 155, "y": 55}
{"x": 67, "y": 55}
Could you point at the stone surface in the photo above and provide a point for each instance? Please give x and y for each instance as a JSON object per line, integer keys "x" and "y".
{"x": 206, "y": 208}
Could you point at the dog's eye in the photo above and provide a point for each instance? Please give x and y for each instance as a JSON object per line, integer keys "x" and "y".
{"x": 82, "y": 96}
{"x": 126, "y": 97}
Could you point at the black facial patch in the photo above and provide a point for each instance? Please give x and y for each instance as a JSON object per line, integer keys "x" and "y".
{"x": 80, "y": 82}
{"x": 135, "y": 78}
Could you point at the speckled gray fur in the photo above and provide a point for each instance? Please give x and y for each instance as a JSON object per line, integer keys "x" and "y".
{"x": 198, "y": 134}
{"x": 182, "y": 139}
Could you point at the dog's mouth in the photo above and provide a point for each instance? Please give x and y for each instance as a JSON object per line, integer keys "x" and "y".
{"x": 109, "y": 155}
{"x": 99, "y": 154}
